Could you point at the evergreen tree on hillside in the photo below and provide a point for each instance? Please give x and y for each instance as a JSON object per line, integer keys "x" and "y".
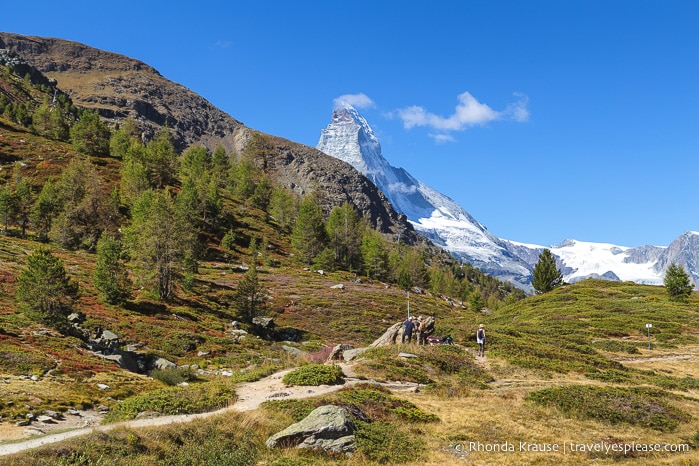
{"x": 308, "y": 236}
{"x": 374, "y": 254}
{"x": 44, "y": 289}
{"x": 249, "y": 297}
{"x": 89, "y": 135}
{"x": 677, "y": 283}
{"x": 159, "y": 241}
{"x": 111, "y": 276}
{"x": 546, "y": 275}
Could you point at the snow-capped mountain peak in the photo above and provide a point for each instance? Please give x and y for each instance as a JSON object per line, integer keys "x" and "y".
{"x": 350, "y": 138}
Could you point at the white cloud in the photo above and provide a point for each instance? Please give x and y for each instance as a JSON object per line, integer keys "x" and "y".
{"x": 441, "y": 138}
{"x": 468, "y": 112}
{"x": 223, "y": 44}
{"x": 402, "y": 188}
{"x": 355, "y": 100}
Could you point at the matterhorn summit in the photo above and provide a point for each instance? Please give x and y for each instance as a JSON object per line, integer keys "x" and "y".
{"x": 350, "y": 138}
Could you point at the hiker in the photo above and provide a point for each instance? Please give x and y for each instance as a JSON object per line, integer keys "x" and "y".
{"x": 408, "y": 327}
{"x": 480, "y": 338}
{"x": 421, "y": 331}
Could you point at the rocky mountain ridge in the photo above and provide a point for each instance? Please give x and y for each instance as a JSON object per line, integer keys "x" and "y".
{"x": 118, "y": 87}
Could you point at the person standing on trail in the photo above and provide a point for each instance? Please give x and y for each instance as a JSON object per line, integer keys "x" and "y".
{"x": 408, "y": 327}
{"x": 480, "y": 339}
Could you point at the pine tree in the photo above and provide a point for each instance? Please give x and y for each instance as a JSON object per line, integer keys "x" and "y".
{"x": 546, "y": 275}
{"x": 308, "y": 236}
{"x": 374, "y": 254}
{"x": 248, "y": 297}
{"x": 111, "y": 275}
{"x": 45, "y": 290}
{"x": 677, "y": 283}
{"x": 89, "y": 135}
{"x": 159, "y": 241}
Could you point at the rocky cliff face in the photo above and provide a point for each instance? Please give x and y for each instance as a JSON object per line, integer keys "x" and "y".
{"x": 118, "y": 87}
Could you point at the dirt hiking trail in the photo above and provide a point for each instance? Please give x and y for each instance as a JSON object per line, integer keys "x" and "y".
{"x": 250, "y": 396}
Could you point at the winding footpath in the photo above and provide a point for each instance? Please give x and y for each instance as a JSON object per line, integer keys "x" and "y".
{"x": 250, "y": 396}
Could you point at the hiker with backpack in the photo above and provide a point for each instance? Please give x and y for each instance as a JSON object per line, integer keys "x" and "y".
{"x": 480, "y": 339}
{"x": 408, "y": 327}
{"x": 421, "y": 331}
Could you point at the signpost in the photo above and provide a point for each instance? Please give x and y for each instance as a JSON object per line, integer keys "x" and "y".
{"x": 649, "y": 326}
{"x": 408, "y": 304}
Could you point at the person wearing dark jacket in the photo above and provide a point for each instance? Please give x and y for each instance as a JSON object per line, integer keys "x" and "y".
{"x": 408, "y": 327}
{"x": 480, "y": 339}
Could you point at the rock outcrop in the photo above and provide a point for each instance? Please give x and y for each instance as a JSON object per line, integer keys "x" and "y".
{"x": 329, "y": 428}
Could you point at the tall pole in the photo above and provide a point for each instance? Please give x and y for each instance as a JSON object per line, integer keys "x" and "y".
{"x": 408, "y": 304}
{"x": 648, "y": 326}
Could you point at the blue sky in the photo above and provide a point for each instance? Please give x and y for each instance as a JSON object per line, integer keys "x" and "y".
{"x": 545, "y": 120}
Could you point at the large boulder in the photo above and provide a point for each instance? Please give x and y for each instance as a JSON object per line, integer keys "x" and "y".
{"x": 329, "y": 428}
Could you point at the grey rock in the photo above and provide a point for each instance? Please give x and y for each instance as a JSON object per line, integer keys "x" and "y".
{"x": 162, "y": 363}
{"x": 351, "y": 354}
{"x": 294, "y": 351}
{"x": 407, "y": 355}
{"x": 338, "y": 350}
{"x": 264, "y": 322}
{"x": 329, "y": 428}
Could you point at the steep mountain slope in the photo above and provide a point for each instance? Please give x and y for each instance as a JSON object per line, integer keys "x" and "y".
{"x": 350, "y": 138}
{"x": 118, "y": 87}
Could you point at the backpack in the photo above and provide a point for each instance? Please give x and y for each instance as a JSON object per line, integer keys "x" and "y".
{"x": 481, "y": 334}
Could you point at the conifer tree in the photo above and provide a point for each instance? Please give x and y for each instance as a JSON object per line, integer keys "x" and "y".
{"x": 677, "y": 283}
{"x": 111, "y": 275}
{"x": 546, "y": 275}
{"x": 249, "y": 299}
{"x": 44, "y": 289}
{"x": 308, "y": 236}
{"x": 89, "y": 135}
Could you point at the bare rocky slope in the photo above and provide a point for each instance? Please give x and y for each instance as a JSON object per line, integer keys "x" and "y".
{"x": 118, "y": 87}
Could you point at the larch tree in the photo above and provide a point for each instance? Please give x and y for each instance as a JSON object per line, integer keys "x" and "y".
{"x": 677, "y": 283}
{"x": 44, "y": 289}
{"x": 546, "y": 275}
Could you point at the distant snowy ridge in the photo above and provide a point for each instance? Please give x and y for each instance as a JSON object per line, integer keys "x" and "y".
{"x": 350, "y": 138}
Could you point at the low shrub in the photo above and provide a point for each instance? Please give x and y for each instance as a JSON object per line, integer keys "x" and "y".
{"x": 384, "y": 443}
{"x": 174, "y": 376}
{"x": 642, "y": 407}
{"x": 315, "y": 374}
{"x": 197, "y": 398}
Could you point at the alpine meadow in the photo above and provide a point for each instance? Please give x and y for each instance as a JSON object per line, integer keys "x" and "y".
{"x": 179, "y": 288}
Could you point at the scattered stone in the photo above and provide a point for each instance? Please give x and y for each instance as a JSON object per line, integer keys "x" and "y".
{"x": 33, "y": 431}
{"x": 35, "y": 378}
{"x": 103, "y": 386}
{"x": 278, "y": 395}
{"x": 74, "y": 412}
{"x": 162, "y": 363}
{"x": 266, "y": 323}
{"x": 328, "y": 428}
{"x": 294, "y": 351}
{"x": 239, "y": 332}
{"x": 351, "y": 354}
{"x": 46, "y": 419}
{"x": 203, "y": 353}
{"x": 407, "y": 355}
{"x": 103, "y": 409}
{"x": 339, "y": 286}
{"x": 337, "y": 351}
{"x": 23, "y": 423}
